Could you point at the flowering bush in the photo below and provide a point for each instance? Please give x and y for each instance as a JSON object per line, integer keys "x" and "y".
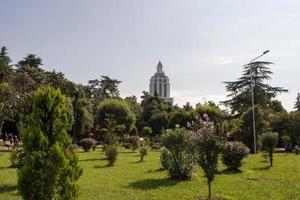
{"x": 180, "y": 160}
{"x": 233, "y": 154}
{"x": 134, "y": 142}
{"x": 207, "y": 146}
{"x": 165, "y": 158}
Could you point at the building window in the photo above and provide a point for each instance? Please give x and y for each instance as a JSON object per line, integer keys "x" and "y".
{"x": 165, "y": 90}
{"x": 160, "y": 90}
{"x": 155, "y": 88}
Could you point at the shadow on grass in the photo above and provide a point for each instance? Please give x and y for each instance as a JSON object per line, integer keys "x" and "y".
{"x": 4, "y": 168}
{"x": 230, "y": 171}
{"x": 101, "y": 166}
{"x": 92, "y": 159}
{"x": 157, "y": 170}
{"x": 7, "y": 188}
{"x": 128, "y": 152}
{"x": 262, "y": 168}
{"x": 149, "y": 184}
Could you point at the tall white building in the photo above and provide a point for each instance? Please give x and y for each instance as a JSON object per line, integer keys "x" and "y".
{"x": 159, "y": 84}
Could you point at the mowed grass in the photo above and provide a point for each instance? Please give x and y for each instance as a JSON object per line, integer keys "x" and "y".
{"x": 131, "y": 179}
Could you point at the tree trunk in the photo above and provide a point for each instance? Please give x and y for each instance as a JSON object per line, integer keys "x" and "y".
{"x": 271, "y": 158}
{"x": 1, "y": 126}
{"x": 209, "y": 190}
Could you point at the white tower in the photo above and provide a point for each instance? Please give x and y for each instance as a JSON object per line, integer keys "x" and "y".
{"x": 159, "y": 84}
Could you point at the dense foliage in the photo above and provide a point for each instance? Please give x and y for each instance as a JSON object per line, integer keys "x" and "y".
{"x": 180, "y": 163}
{"x": 87, "y": 144}
{"x": 233, "y": 154}
{"x": 111, "y": 153}
{"x": 49, "y": 170}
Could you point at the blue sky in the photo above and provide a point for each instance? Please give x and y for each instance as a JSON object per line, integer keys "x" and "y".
{"x": 200, "y": 43}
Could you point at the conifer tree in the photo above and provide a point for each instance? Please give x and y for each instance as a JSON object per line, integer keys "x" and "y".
{"x": 240, "y": 90}
{"x": 49, "y": 170}
{"x": 297, "y": 104}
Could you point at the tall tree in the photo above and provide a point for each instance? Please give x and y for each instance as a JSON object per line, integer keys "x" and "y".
{"x": 29, "y": 74}
{"x": 297, "y": 103}
{"x": 103, "y": 88}
{"x": 6, "y": 70}
{"x": 49, "y": 170}
{"x": 256, "y": 73}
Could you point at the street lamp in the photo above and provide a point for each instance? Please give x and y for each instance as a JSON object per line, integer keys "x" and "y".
{"x": 252, "y": 99}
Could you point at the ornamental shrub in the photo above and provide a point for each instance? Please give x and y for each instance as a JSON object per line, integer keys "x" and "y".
{"x": 180, "y": 162}
{"x": 111, "y": 153}
{"x": 269, "y": 141}
{"x": 233, "y": 154}
{"x": 207, "y": 145}
{"x": 297, "y": 150}
{"x": 15, "y": 157}
{"x": 165, "y": 158}
{"x": 49, "y": 171}
{"x": 87, "y": 144}
{"x": 143, "y": 152}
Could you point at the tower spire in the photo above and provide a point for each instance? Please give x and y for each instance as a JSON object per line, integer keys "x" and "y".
{"x": 159, "y": 67}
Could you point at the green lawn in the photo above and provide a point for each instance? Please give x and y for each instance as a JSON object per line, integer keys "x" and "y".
{"x": 131, "y": 179}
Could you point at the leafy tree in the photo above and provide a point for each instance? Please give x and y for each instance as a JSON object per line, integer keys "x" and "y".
{"x": 134, "y": 106}
{"x": 269, "y": 142}
{"x": 179, "y": 117}
{"x": 158, "y": 122}
{"x": 261, "y": 124}
{"x": 215, "y": 114}
{"x": 208, "y": 145}
{"x": 29, "y": 75}
{"x": 8, "y": 101}
{"x": 188, "y": 106}
{"x": 117, "y": 111}
{"x": 83, "y": 122}
{"x": 103, "y": 88}
{"x": 49, "y": 170}
{"x": 240, "y": 90}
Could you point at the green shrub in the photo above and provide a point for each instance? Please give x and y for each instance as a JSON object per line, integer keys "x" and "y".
{"x": 133, "y": 131}
{"x": 233, "y": 154}
{"x": 87, "y": 143}
{"x": 111, "y": 154}
{"x": 143, "y": 152}
{"x": 49, "y": 171}
{"x": 165, "y": 158}
{"x": 180, "y": 162}
{"x": 269, "y": 141}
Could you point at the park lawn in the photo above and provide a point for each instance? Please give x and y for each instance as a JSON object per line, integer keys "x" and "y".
{"x": 131, "y": 179}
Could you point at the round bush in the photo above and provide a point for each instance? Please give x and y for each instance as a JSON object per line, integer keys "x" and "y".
{"x": 73, "y": 147}
{"x": 134, "y": 142}
{"x": 111, "y": 154}
{"x": 87, "y": 143}
{"x": 233, "y": 154}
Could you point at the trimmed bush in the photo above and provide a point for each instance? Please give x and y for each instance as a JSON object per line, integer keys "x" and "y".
{"x": 15, "y": 157}
{"x": 180, "y": 162}
{"x": 111, "y": 154}
{"x": 269, "y": 141}
{"x": 233, "y": 154}
{"x": 165, "y": 158}
{"x": 143, "y": 152}
{"x": 87, "y": 144}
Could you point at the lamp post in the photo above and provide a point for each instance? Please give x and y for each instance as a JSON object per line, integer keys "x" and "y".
{"x": 252, "y": 100}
